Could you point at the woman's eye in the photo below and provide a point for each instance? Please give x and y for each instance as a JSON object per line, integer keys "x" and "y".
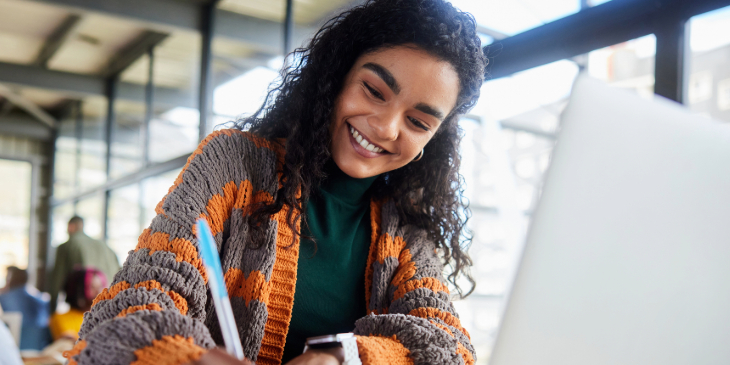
{"x": 418, "y": 124}
{"x": 374, "y": 92}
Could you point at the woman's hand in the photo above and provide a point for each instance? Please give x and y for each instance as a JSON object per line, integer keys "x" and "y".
{"x": 319, "y": 357}
{"x": 218, "y": 356}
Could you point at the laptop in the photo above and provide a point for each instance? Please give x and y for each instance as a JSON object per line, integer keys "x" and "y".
{"x": 627, "y": 260}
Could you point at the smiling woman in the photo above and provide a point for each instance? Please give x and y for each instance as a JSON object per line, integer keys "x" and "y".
{"x": 388, "y": 109}
{"x": 355, "y": 151}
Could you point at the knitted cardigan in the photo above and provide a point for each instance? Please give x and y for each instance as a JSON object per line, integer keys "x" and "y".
{"x": 157, "y": 310}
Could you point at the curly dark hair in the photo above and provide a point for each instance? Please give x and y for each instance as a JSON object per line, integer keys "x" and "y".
{"x": 298, "y": 108}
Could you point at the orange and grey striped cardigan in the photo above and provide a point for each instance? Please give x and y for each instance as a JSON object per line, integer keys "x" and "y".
{"x": 157, "y": 309}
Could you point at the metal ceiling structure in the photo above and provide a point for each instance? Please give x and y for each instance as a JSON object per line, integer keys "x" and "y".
{"x": 264, "y": 35}
{"x": 55, "y": 40}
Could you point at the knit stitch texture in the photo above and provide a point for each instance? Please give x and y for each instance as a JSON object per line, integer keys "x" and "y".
{"x": 157, "y": 310}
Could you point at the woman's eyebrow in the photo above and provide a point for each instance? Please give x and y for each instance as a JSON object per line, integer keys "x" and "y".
{"x": 430, "y": 111}
{"x": 384, "y": 74}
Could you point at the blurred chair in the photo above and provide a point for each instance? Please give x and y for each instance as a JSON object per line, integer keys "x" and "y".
{"x": 10, "y": 325}
{"x": 14, "y": 322}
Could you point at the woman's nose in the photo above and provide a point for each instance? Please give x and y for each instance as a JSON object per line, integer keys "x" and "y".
{"x": 386, "y": 126}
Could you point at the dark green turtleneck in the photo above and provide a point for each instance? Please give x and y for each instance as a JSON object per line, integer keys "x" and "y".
{"x": 330, "y": 291}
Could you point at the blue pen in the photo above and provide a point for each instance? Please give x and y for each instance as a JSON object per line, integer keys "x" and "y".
{"x": 209, "y": 252}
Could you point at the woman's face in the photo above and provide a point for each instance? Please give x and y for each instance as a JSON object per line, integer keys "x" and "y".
{"x": 392, "y": 103}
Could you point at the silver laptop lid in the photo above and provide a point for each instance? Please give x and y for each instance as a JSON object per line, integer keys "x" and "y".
{"x": 628, "y": 257}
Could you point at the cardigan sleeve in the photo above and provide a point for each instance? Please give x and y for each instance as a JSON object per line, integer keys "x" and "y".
{"x": 412, "y": 319}
{"x": 155, "y": 309}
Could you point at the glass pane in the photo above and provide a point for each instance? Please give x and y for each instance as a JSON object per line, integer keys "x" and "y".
{"x": 173, "y": 133}
{"x": 64, "y": 179}
{"x": 174, "y": 127}
{"x": 627, "y": 65}
{"x": 512, "y": 17}
{"x": 124, "y": 220}
{"x": 14, "y": 214}
{"x": 92, "y": 171}
{"x": 92, "y": 211}
{"x": 173, "y": 130}
{"x": 127, "y": 138}
{"x": 708, "y": 90}
{"x": 61, "y": 216}
{"x": 153, "y": 190}
{"x": 243, "y": 94}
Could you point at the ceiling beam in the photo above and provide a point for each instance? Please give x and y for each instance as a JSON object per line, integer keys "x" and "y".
{"x": 22, "y": 125}
{"x": 5, "y": 107}
{"x": 30, "y": 107}
{"x": 168, "y": 16}
{"x": 601, "y": 26}
{"x": 56, "y": 40}
{"x": 79, "y": 86}
{"x": 133, "y": 51}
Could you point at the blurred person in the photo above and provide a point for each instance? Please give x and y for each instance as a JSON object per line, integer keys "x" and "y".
{"x": 81, "y": 287}
{"x": 9, "y": 352}
{"x": 355, "y": 151}
{"x": 80, "y": 251}
{"x": 34, "y": 308}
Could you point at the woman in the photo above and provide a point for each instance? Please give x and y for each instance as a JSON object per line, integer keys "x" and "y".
{"x": 357, "y": 151}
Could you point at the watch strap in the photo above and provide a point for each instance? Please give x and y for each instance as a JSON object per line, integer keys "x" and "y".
{"x": 349, "y": 347}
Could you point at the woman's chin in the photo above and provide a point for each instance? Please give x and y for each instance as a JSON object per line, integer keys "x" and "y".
{"x": 354, "y": 168}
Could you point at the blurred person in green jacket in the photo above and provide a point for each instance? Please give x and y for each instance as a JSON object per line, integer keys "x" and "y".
{"x": 80, "y": 251}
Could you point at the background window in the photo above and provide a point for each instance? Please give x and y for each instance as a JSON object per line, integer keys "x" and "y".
{"x": 124, "y": 220}
{"x": 92, "y": 211}
{"x": 628, "y": 65}
{"x": 723, "y": 94}
{"x": 92, "y": 161}
{"x": 708, "y": 90}
{"x": 61, "y": 216}
{"x": 64, "y": 178}
{"x": 153, "y": 190}
{"x": 14, "y": 214}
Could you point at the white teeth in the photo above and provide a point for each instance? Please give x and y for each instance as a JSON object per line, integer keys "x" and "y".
{"x": 364, "y": 142}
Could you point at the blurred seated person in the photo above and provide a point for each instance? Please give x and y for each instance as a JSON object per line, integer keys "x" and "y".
{"x": 81, "y": 287}
{"x": 18, "y": 297}
{"x": 10, "y": 355}
{"x": 80, "y": 251}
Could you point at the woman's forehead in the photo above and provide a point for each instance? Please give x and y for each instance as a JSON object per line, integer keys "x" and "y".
{"x": 414, "y": 71}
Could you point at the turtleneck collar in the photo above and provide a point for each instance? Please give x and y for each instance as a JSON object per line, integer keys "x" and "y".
{"x": 343, "y": 187}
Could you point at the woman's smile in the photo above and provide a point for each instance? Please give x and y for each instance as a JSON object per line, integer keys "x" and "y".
{"x": 363, "y": 145}
{"x": 392, "y": 103}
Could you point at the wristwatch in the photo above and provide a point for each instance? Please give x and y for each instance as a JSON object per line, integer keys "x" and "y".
{"x": 345, "y": 340}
